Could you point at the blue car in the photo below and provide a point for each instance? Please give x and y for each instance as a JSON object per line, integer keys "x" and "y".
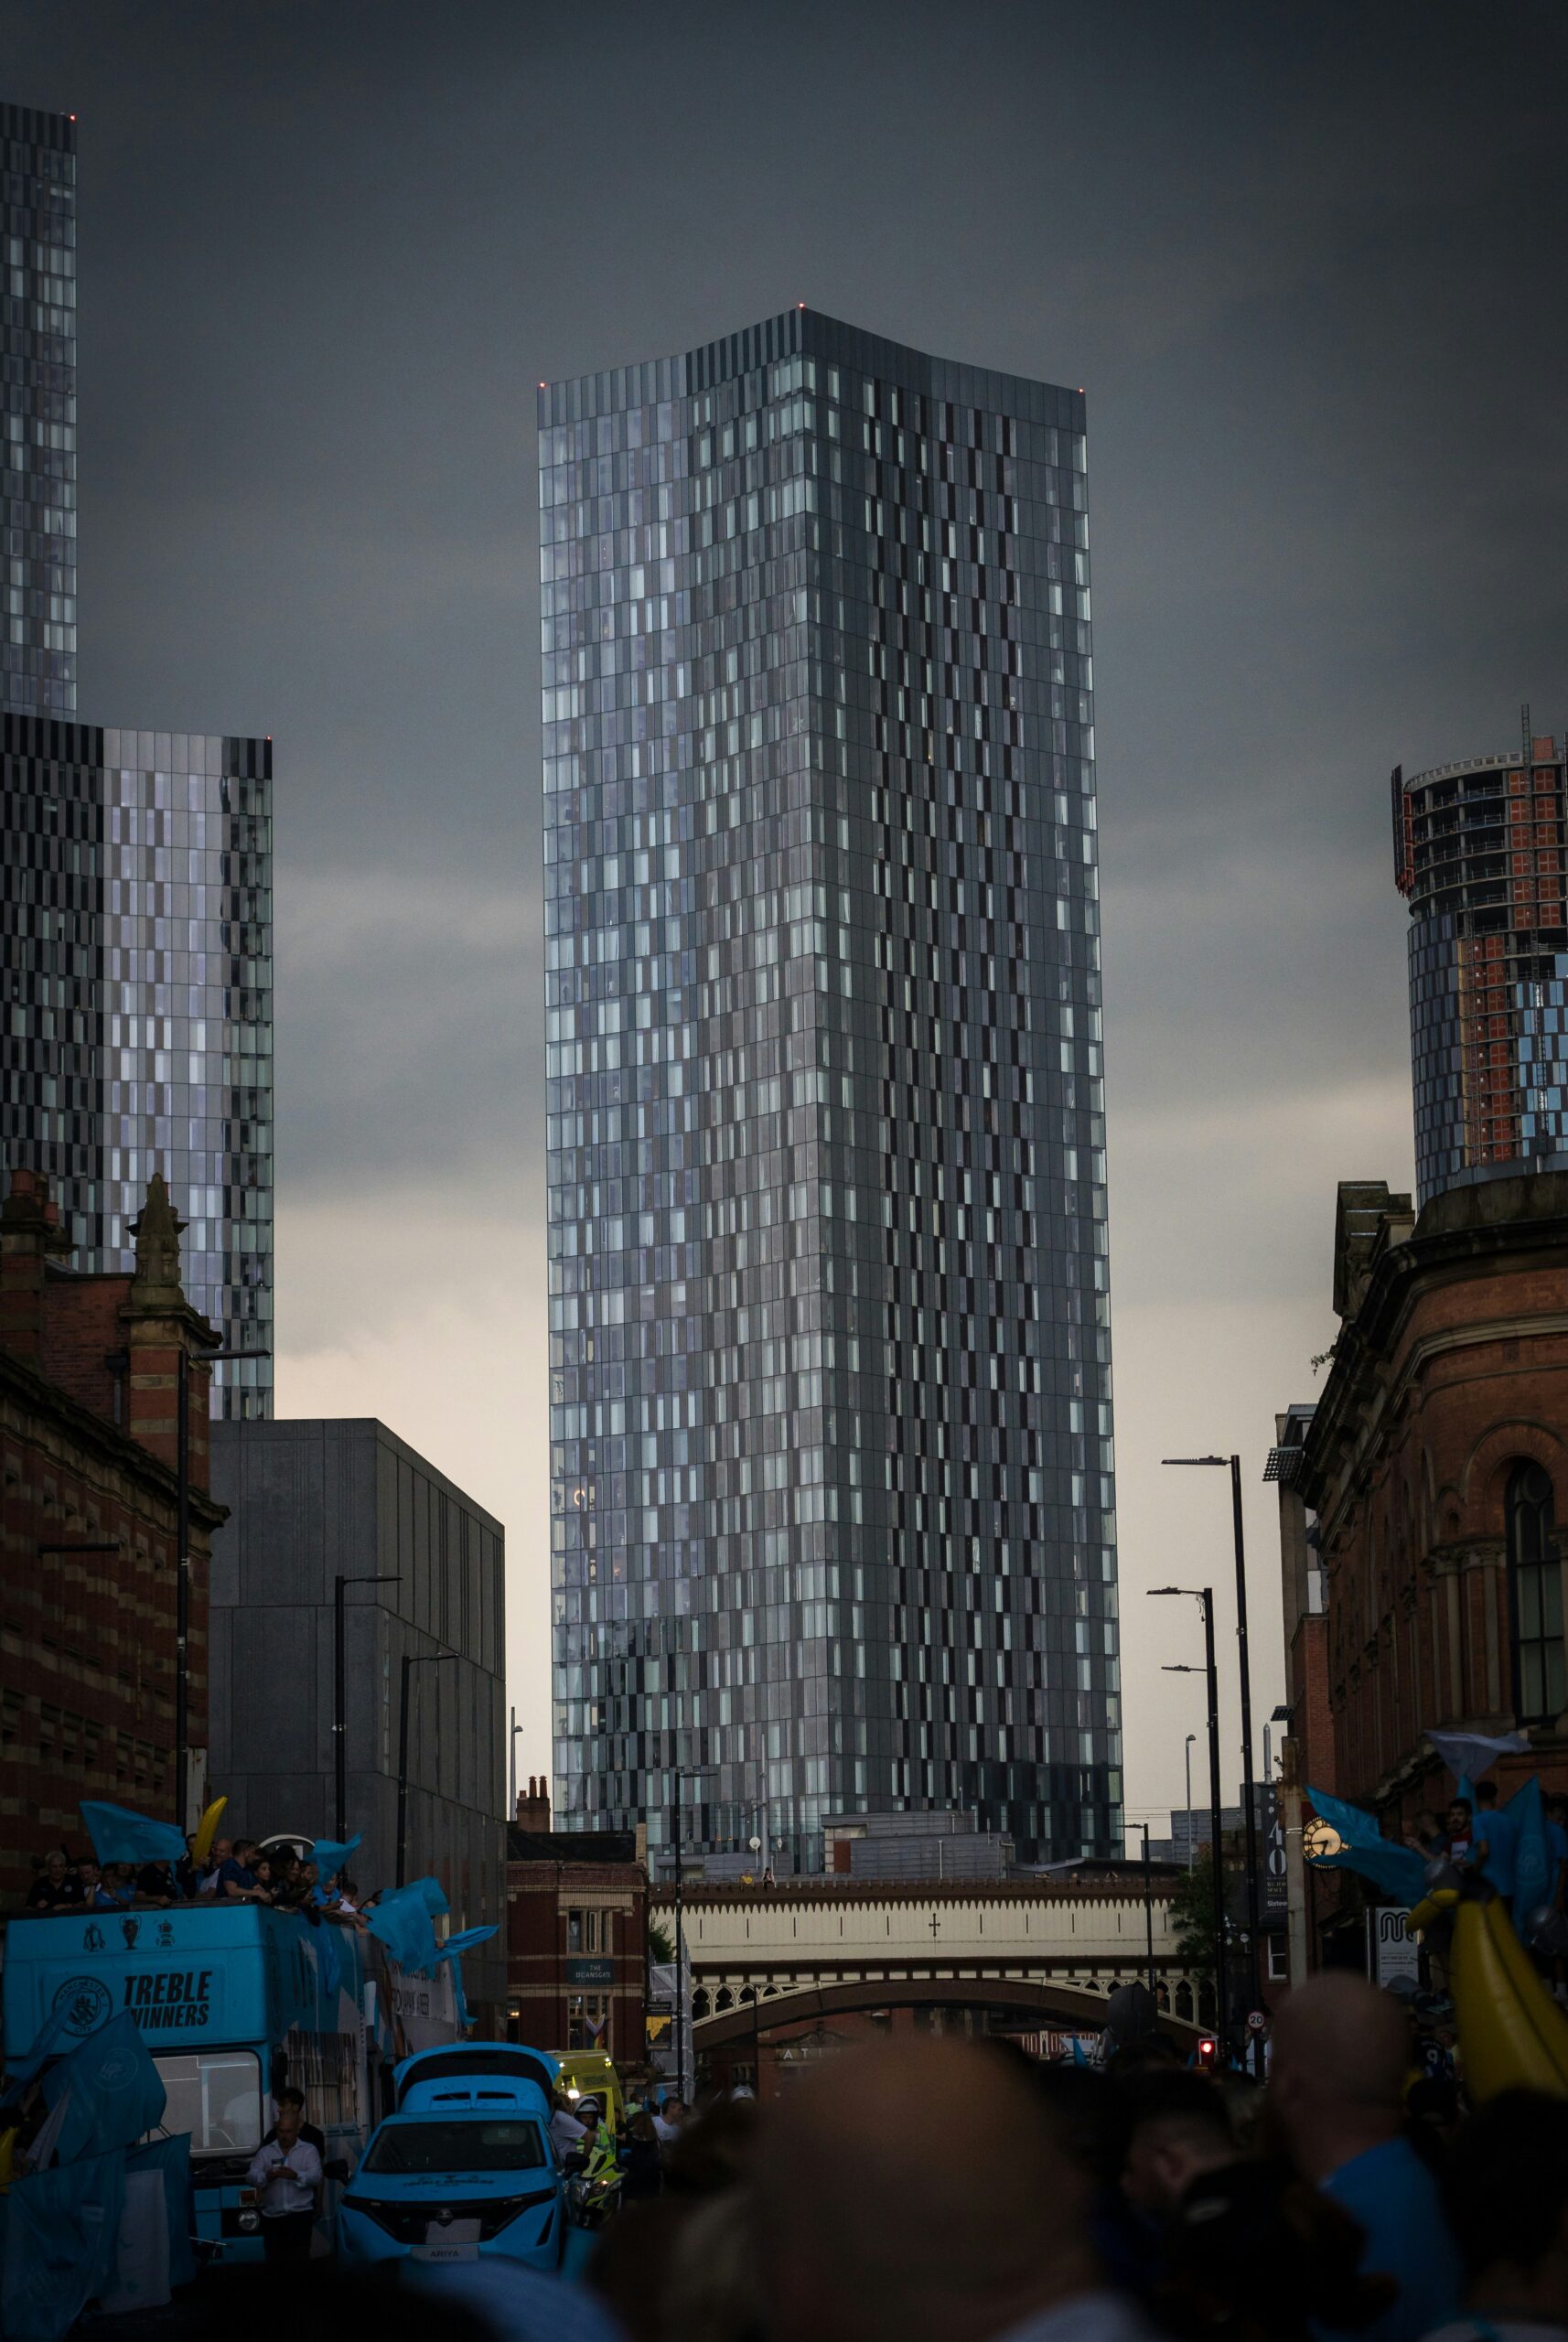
{"x": 473, "y": 2177}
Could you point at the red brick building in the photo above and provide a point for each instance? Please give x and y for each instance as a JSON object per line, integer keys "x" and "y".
{"x": 1429, "y": 1477}
{"x": 89, "y": 1506}
{"x": 576, "y": 1934}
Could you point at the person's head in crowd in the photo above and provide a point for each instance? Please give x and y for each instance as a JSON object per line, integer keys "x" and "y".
{"x": 90, "y": 1876}
{"x": 1255, "y": 2254}
{"x": 1507, "y": 2199}
{"x": 1427, "y": 1828}
{"x": 1459, "y": 1822}
{"x": 916, "y": 2192}
{"x": 55, "y": 1866}
{"x": 1337, "y": 2082}
{"x": 223, "y": 1848}
{"x": 1178, "y": 2129}
{"x": 1486, "y": 1796}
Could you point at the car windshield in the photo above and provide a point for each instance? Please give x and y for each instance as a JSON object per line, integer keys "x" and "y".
{"x": 457, "y": 2147}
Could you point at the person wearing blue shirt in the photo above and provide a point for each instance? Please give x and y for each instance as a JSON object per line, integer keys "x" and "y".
{"x": 1337, "y": 2089}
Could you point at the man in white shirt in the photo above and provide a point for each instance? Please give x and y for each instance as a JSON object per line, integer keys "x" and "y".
{"x": 286, "y": 2175}
{"x": 565, "y": 2130}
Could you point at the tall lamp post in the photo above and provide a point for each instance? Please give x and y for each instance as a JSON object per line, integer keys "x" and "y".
{"x": 411, "y": 1660}
{"x": 1191, "y": 1738}
{"x": 1249, "y": 1799}
{"x": 1148, "y": 1904}
{"x": 182, "y": 1573}
{"x": 1204, "y": 1597}
{"x": 340, "y": 1702}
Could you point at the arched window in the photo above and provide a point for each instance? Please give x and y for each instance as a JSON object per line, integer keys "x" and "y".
{"x": 1535, "y": 1596}
{"x": 1184, "y": 2000}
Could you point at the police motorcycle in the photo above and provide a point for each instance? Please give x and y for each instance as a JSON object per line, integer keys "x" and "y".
{"x": 593, "y": 2174}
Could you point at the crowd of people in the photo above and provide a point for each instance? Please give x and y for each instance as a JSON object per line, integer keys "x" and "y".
{"x": 948, "y": 2191}
{"x": 234, "y": 1871}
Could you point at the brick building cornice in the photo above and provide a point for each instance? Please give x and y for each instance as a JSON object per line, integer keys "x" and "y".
{"x": 90, "y": 1433}
{"x": 1491, "y": 1226}
{"x": 837, "y": 1893}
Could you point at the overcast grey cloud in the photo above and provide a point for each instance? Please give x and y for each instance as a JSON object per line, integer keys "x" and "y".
{"x": 1306, "y": 262}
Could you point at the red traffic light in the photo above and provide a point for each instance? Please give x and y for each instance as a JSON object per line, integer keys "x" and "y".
{"x": 1208, "y": 2053}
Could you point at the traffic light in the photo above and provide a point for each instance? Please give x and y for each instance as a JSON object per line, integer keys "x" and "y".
{"x": 1208, "y": 2053}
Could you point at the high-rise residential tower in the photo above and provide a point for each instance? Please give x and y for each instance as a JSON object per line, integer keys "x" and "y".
{"x": 831, "y": 1464}
{"x": 1481, "y": 852}
{"x": 38, "y": 372}
{"x": 136, "y": 903}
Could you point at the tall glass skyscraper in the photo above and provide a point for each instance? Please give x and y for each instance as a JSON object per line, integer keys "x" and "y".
{"x": 38, "y": 369}
{"x": 831, "y": 1462}
{"x": 136, "y": 888}
{"x": 1481, "y": 854}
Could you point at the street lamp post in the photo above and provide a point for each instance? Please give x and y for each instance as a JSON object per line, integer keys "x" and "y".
{"x": 1249, "y": 1798}
{"x": 340, "y": 1703}
{"x": 679, "y": 1958}
{"x": 516, "y": 1734}
{"x": 1148, "y": 1905}
{"x": 1191, "y": 1738}
{"x": 411, "y": 1660}
{"x": 182, "y": 1573}
{"x": 1204, "y": 1597}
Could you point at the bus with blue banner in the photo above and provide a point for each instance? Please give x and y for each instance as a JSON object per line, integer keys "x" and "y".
{"x": 235, "y": 2002}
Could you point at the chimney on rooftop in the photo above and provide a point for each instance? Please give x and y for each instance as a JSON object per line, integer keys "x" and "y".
{"x": 30, "y": 1235}
{"x": 533, "y": 1805}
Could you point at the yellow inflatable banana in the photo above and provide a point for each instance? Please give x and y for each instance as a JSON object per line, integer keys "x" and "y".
{"x": 206, "y": 1830}
{"x": 1512, "y": 2035}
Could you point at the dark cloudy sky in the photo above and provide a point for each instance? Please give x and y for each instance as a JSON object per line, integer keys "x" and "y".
{"x": 1308, "y": 262}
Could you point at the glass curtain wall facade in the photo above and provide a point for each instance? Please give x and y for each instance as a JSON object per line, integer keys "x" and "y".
{"x": 136, "y": 903}
{"x": 135, "y": 951}
{"x": 831, "y": 1465}
{"x": 38, "y": 366}
{"x": 1481, "y": 854}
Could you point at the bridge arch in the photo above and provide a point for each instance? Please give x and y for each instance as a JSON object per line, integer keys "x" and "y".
{"x": 1053, "y": 2004}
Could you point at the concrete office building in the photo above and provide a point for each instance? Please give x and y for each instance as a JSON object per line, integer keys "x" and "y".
{"x": 310, "y": 1502}
{"x": 831, "y": 1462}
{"x": 136, "y": 902}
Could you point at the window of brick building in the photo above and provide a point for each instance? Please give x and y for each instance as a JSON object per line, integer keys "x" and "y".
{"x": 1535, "y": 1596}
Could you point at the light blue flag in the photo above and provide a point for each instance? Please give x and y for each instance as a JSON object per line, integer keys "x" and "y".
{"x": 402, "y": 1921}
{"x": 46, "y": 2041}
{"x": 58, "y": 2234}
{"x": 1078, "y": 2056}
{"x": 172, "y": 2157}
{"x": 1396, "y": 1871}
{"x": 1533, "y": 1868}
{"x": 1496, "y": 1832}
{"x": 115, "y": 2093}
{"x": 119, "y": 1835}
{"x": 434, "y": 1894}
{"x": 456, "y": 1945}
{"x": 329, "y": 1855}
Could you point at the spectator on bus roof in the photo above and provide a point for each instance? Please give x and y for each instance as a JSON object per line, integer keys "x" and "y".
{"x": 115, "y": 1888}
{"x": 54, "y": 1889}
{"x": 156, "y": 1887}
{"x": 238, "y": 1879}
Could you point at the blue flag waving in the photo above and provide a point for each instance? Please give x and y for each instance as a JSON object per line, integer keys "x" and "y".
{"x": 1397, "y": 1871}
{"x": 119, "y": 1835}
{"x": 1534, "y": 1871}
{"x": 113, "y": 2090}
{"x": 58, "y": 2231}
{"x": 456, "y": 1945}
{"x": 330, "y": 1854}
{"x": 402, "y": 1921}
{"x": 46, "y": 2041}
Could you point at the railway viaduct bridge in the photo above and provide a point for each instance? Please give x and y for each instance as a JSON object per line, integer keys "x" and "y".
{"x": 816, "y": 1957}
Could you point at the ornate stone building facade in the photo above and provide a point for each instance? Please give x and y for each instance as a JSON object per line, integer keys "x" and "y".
{"x": 1437, "y": 1463}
